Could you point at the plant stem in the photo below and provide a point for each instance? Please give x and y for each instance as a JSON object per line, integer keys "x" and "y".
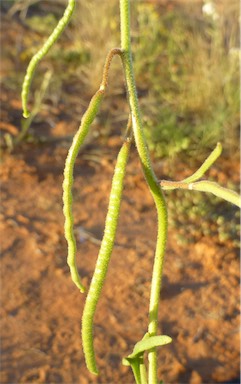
{"x": 150, "y": 178}
{"x": 143, "y": 373}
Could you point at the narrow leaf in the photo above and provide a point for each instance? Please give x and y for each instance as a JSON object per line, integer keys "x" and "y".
{"x": 149, "y": 343}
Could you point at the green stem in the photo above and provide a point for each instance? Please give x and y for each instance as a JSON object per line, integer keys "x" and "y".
{"x": 151, "y": 180}
{"x": 135, "y": 366}
{"x": 143, "y": 372}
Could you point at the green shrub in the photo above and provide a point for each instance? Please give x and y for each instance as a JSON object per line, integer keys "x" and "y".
{"x": 204, "y": 216}
{"x": 186, "y": 65}
{"x": 191, "y": 71}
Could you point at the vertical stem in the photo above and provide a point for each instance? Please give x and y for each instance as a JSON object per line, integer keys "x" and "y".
{"x": 143, "y": 373}
{"x": 151, "y": 180}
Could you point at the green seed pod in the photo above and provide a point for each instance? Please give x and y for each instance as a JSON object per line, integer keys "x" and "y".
{"x": 103, "y": 257}
{"x": 78, "y": 140}
{"x": 42, "y": 52}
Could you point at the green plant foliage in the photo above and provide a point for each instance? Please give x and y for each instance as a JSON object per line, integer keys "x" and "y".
{"x": 187, "y": 68}
{"x": 158, "y": 129}
{"x": 146, "y": 344}
{"x": 42, "y": 24}
{"x": 136, "y": 358}
{"x": 188, "y": 208}
{"x": 222, "y": 223}
{"x": 190, "y": 74}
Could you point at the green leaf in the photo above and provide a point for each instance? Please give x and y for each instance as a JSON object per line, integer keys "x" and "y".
{"x": 129, "y": 360}
{"x": 135, "y": 364}
{"x": 147, "y": 343}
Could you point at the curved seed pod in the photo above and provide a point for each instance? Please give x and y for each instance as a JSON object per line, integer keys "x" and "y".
{"x": 206, "y": 165}
{"x": 103, "y": 257}
{"x": 87, "y": 119}
{"x": 205, "y": 186}
{"x": 214, "y": 188}
{"x": 183, "y": 184}
{"x": 42, "y": 52}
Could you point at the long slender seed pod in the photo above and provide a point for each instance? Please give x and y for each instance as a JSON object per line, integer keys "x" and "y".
{"x": 206, "y": 165}
{"x": 205, "y": 186}
{"x": 42, "y": 52}
{"x": 151, "y": 180}
{"x": 103, "y": 257}
{"x": 78, "y": 140}
{"x": 169, "y": 185}
{"x": 214, "y": 188}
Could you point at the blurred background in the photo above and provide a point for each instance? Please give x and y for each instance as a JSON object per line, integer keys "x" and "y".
{"x": 186, "y": 62}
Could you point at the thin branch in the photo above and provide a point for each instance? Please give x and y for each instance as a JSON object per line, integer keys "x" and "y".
{"x": 151, "y": 180}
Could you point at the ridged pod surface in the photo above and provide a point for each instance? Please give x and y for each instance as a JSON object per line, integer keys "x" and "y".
{"x": 78, "y": 140}
{"x": 42, "y": 52}
{"x": 103, "y": 256}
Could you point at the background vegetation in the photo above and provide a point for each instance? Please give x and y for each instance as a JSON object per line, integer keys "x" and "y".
{"x": 186, "y": 64}
{"x": 187, "y": 69}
